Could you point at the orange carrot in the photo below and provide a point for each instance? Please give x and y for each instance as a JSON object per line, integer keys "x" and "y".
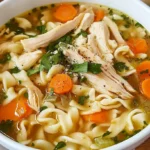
{"x": 146, "y": 87}
{"x": 61, "y": 83}
{"x": 138, "y": 45}
{"x": 65, "y": 12}
{"x": 143, "y": 70}
{"x": 99, "y": 15}
{"x": 15, "y": 110}
{"x": 100, "y": 117}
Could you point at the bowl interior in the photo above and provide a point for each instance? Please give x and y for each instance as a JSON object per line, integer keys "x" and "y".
{"x": 12, "y": 8}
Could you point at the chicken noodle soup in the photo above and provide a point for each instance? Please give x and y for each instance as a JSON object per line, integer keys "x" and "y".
{"x": 73, "y": 76}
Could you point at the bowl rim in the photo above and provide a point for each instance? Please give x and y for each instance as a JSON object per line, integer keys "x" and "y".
{"x": 138, "y": 138}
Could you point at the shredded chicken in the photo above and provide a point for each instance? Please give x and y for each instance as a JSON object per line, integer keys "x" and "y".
{"x": 35, "y": 96}
{"x": 101, "y": 32}
{"x": 106, "y": 68}
{"x": 86, "y": 22}
{"x": 26, "y": 60}
{"x": 43, "y": 40}
{"x": 114, "y": 29}
{"x": 102, "y": 82}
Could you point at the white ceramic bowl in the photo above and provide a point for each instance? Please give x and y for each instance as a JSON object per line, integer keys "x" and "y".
{"x": 135, "y": 8}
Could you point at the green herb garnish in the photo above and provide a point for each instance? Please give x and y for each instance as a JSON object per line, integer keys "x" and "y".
{"x": 83, "y": 33}
{"x": 82, "y": 79}
{"x": 51, "y": 93}
{"x": 106, "y": 133}
{"x": 145, "y": 123}
{"x": 144, "y": 71}
{"x": 48, "y": 60}
{"x": 20, "y": 81}
{"x": 41, "y": 29}
{"x": 5, "y": 126}
{"x": 80, "y": 68}
{"x": 5, "y": 59}
{"x": 13, "y": 26}
{"x": 82, "y": 99}
{"x": 14, "y": 70}
{"x": 85, "y": 67}
{"x": 43, "y": 108}
{"x": 3, "y": 96}
{"x": 120, "y": 66}
{"x": 60, "y": 145}
{"x": 138, "y": 25}
{"x": 32, "y": 71}
{"x": 26, "y": 95}
{"x": 94, "y": 68}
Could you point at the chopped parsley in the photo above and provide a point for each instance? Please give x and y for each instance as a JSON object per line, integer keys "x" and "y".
{"x": 82, "y": 99}
{"x": 41, "y": 29}
{"x": 94, "y": 68}
{"x": 106, "y": 133}
{"x": 14, "y": 70}
{"x": 83, "y": 33}
{"x": 60, "y": 145}
{"x": 138, "y": 25}
{"x": 127, "y": 20}
{"x": 144, "y": 71}
{"x": 26, "y": 95}
{"x": 3, "y": 96}
{"x": 110, "y": 11}
{"x": 5, "y": 126}
{"x": 19, "y": 81}
{"x": 13, "y": 26}
{"x": 43, "y": 108}
{"x": 5, "y": 59}
{"x": 49, "y": 59}
{"x": 51, "y": 93}
{"x": 145, "y": 123}
{"x": 82, "y": 79}
{"x": 67, "y": 39}
{"x": 120, "y": 66}
{"x": 33, "y": 71}
{"x": 80, "y": 68}
{"x": 85, "y": 67}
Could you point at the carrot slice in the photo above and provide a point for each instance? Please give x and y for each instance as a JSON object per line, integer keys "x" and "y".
{"x": 99, "y": 15}
{"x": 61, "y": 83}
{"x": 146, "y": 87}
{"x": 15, "y": 110}
{"x": 65, "y": 12}
{"x": 143, "y": 70}
{"x": 138, "y": 45}
{"x": 100, "y": 117}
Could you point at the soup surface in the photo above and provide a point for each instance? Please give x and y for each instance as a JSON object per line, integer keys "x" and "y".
{"x": 74, "y": 76}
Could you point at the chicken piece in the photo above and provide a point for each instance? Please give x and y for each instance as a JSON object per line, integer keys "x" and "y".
{"x": 115, "y": 85}
{"x": 109, "y": 70}
{"x": 100, "y": 30}
{"x": 43, "y": 40}
{"x": 92, "y": 44}
{"x": 114, "y": 29}
{"x": 86, "y": 22}
{"x": 26, "y": 60}
{"x": 101, "y": 82}
{"x": 35, "y": 96}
